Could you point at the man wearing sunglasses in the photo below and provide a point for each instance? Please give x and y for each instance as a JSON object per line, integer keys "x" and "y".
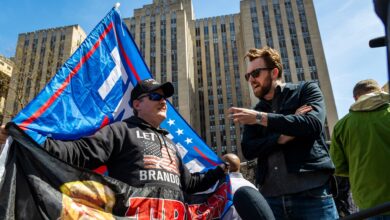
{"x": 137, "y": 151}
{"x": 285, "y": 132}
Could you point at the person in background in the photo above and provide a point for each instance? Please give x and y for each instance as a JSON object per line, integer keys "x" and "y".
{"x": 285, "y": 132}
{"x": 360, "y": 147}
{"x": 237, "y": 181}
{"x": 236, "y": 178}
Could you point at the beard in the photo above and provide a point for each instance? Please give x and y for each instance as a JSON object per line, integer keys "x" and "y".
{"x": 260, "y": 90}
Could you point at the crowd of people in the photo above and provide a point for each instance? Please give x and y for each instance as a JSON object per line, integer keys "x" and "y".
{"x": 284, "y": 132}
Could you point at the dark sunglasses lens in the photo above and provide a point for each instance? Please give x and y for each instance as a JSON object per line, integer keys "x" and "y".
{"x": 255, "y": 73}
{"x": 155, "y": 96}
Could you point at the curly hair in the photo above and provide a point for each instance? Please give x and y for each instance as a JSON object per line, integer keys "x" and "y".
{"x": 271, "y": 57}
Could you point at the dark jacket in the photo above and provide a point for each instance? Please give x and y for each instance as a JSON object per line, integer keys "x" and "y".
{"x": 134, "y": 153}
{"x": 307, "y": 152}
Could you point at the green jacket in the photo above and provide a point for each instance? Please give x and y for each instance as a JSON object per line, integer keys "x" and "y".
{"x": 360, "y": 149}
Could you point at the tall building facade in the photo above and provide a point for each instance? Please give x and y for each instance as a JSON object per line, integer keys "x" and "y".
{"x": 291, "y": 27}
{"x": 6, "y": 67}
{"x": 39, "y": 55}
{"x": 220, "y": 84}
{"x": 204, "y": 58}
{"x": 162, "y": 31}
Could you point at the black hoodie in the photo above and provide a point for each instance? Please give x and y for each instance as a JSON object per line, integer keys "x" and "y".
{"x": 135, "y": 153}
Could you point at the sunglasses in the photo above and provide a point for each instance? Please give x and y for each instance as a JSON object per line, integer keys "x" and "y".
{"x": 255, "y": 73}
{"x": 153, "y": 96}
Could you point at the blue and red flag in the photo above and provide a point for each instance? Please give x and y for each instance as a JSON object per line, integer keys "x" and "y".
{"x": 92, "y": 89}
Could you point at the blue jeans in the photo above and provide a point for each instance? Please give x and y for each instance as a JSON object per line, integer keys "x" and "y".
{"x": 315, "y": 204}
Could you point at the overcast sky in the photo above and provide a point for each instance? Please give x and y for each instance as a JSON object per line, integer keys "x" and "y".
{"x": 346, "y": 27}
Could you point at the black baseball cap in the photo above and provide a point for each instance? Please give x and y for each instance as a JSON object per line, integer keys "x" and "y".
{"x": 150, "y": 85}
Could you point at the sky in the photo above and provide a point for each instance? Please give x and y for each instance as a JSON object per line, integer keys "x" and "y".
{"x": 345, "y": 26}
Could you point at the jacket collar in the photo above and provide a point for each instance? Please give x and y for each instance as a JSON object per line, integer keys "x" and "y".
{"x": 281, "y": 86}
{"x": 370, "y": 102}
{"x": 142, "y": 123}
{"x": 278, "y": 90}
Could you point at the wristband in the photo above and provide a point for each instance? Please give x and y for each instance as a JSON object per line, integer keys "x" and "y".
{"x": 259, "y": 116}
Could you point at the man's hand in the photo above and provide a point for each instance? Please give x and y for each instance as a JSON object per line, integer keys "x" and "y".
{"x": 303, "y": 110}
{"x": 225, "y": 167}
{"x": 283, "y": 139}
{"x": 243, "y": 115}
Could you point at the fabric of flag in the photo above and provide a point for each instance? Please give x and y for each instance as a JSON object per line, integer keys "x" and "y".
{"x": 40, "y": 186}
{"x": 92, "y": 89}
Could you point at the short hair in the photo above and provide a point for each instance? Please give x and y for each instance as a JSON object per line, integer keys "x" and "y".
{"x": 271, "y": 57}
{"x": 364, "y": 87}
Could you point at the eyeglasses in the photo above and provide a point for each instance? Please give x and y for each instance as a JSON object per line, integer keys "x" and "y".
{"x": 153, "y": 96}
{"x": 255, "y": 73}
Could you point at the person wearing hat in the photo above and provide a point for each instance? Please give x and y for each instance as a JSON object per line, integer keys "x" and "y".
{"x": 136, "y": 150}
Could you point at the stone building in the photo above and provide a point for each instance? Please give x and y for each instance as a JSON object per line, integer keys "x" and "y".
{"x": 6, "y": 67}
{"x": 39, "y": 55}
{"x": 204, "y": 58}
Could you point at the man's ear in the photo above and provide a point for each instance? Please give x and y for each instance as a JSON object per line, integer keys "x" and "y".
{"x": 136, "y": 104}
{"x": 274, "y": 73}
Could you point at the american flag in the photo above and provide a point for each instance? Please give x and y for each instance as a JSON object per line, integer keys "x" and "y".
{"x": 159, "y": 157}
{"x": 95, "y": 83}
{"x": 195, "y": 154}
{"x": 92, "y": 89}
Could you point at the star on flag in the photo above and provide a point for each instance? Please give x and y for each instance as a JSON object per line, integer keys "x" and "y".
{"x": 188, "y": 140}
{"x": 179, "y": 131}
{"x": 171, "y": 122}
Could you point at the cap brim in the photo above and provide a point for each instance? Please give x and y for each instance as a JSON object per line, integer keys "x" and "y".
{"x": 167, "y": 89}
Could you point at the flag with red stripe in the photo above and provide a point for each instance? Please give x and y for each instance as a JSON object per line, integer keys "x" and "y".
{"x": 92, "y": 89}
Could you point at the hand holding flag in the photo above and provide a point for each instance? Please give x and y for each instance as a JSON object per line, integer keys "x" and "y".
{"x": 92, "y": 89}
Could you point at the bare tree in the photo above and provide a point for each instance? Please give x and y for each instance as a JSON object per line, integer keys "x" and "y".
{"x": 7, "y": 86}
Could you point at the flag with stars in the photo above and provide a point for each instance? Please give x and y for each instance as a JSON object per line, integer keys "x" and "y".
{"x": 92, "y": 89}
{"x": 196, "y": 155}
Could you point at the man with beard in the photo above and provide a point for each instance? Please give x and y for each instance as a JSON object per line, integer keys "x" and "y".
{"x": 285, "y": 132}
